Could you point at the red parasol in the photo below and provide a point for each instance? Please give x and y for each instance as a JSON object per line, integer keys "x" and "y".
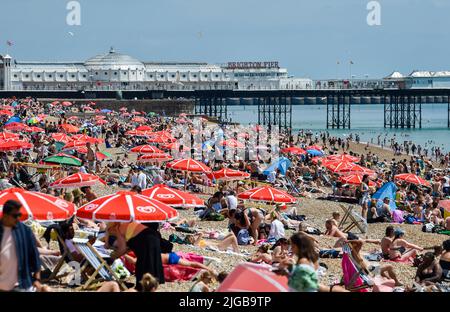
{"x": 154, "y": 157}
{"x": 146, "y": 149}
{"x": 293, "y": 150}
{"x": 8, "y": 135}
{"x": 125, "y": 206}
{"x": 38, "y": 206}
{"x": 189, "y": 164}
{"x": 267, "y": 194}
{"x": 173, "y": 197}
{"x": 355, "y": 179}
{"x": 252, "y": 277}
{"x": 69, "y": 128}
{"x": 16, "y": 126}
{"x": 229, "y": 175}
{"x": 61, "y": 137}
{"x": 412, "y": 178}
{"x": 77, "y": 180}
{"x": 14, "y": 145}
{"x": 343, "y": 157}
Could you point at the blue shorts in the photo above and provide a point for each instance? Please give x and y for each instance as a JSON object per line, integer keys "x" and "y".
{"x": 174, "y": 258}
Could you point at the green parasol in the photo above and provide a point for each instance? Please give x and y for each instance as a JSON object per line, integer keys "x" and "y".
{"x": 63, "y": 159}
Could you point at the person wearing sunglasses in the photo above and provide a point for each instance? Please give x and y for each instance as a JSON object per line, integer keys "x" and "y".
{"x": 19, "y": 257}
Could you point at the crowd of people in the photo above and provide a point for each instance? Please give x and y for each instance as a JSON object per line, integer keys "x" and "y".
{"x": 273, "y": 233}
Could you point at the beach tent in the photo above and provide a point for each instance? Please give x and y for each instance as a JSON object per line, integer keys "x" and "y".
{"x": 387, "y": 190}
{"x": 13, "y": 119}
{"x": 281, "y": 164}
{"x": 314, "y": 152}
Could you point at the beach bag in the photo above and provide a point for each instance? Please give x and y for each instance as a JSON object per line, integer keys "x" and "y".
{"x": 410, "y": 219}
{"x": 243, "y": 237}
{"x": 174, "y": 238}
{"x": 428, "y": 228}
{"x": 313, "y": 231}
{"x": 119, "y": 268}
{"x": 397, "y": 216}
{"x": 214, "y": 217}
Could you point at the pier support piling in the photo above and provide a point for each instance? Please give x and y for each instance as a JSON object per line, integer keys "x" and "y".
{"x": 338, "y": 111}
{"x": 448, "y": 111}
{"x": 275, "y": 111}
{"x": 402, "y": 111}
{"x": 212, "y": 106}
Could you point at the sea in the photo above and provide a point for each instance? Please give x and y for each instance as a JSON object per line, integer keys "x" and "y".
{"x": 366, "y": 121}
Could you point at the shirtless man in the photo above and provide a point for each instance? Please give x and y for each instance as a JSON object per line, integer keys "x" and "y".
{"x": 333, "y": 230}
{"x": 386, "y": 241}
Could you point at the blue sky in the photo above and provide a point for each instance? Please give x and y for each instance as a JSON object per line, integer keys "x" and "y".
{"x": 306, "y": 36}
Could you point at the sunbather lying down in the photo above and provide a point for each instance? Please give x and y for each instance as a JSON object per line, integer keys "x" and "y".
{"x": 173, "y": 258}
{"x": 229, "y": 240}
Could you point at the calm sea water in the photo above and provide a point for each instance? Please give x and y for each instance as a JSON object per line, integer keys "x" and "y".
{"x": 366, "y": 120}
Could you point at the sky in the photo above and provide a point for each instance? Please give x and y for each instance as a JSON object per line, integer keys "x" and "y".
{"x": 308, "y": 37}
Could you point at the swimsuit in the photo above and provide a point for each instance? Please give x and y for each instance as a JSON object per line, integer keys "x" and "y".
{"x": 173, "y": 258}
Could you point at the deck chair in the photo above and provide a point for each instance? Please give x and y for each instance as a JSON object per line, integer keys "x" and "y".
{"x": 97, "y": 262}
{"x": 352, "y": 219}
{"x": 353, "y": 278}
{"x": 66, "y": 256}
{"x": 326, "y": 179}
{"x": 356, "y": 280}
{"x": 291, "y": 186}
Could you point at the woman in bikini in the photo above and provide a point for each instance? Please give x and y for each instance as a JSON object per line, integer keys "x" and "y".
{"x": 227, "y": 241}
{"x": 429, "y": 271}
{"x": 397, "y": 250}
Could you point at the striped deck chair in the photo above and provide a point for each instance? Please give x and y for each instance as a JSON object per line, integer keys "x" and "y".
{"x": 66, "y": 257}
{"x": 354, "y": 279}
{"x": 352, "y": 219}
{"x": 97, "y": 262}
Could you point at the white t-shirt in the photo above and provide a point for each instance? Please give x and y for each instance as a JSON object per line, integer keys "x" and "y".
{"x": 232, "y": 202}
{"x": 276, "y": 230}
{"x": 142, "y": 180}
{"x": 447, "y": 182}
{"x": 8, "y": 261}
{"x": 83, "y": 169}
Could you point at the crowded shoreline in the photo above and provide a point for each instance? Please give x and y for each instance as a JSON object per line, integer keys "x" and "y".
{"x": 297, "y": 237}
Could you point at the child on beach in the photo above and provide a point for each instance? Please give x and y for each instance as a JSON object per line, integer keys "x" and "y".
{"x": 205, "y": 279}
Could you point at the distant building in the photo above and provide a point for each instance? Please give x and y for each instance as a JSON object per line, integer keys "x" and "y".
{"x": 428, "y": 80}
{"x": 116, "y": 71}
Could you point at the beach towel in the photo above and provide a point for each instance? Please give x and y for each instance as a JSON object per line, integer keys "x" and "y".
{"x": 191, "y": 256}
{"x": 382, "y": 284}
{"x": 176, "y": 272}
